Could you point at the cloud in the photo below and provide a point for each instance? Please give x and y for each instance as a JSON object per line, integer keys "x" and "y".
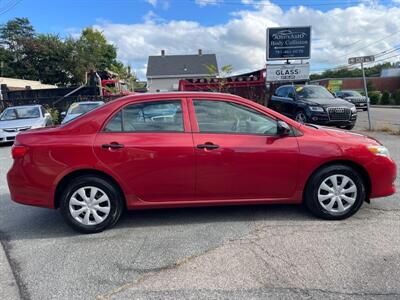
{"x": 203, "y": 3}
{"x": 152, "y": 2}
{"x": 337, "y": 35}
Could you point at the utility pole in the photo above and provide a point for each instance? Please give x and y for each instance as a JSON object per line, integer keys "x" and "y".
{"x": 361, "y": 60}
{"x": 366, "y": 95}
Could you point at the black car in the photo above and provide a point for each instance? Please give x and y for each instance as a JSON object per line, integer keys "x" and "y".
{"x": 354, "y": 97}
{"x": 313, "y": 104}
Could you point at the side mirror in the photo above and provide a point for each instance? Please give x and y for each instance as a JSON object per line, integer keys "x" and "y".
{"x": 47, "y": 115}
{"x": 283, "y": 129}
{"x": 63, "y": 113}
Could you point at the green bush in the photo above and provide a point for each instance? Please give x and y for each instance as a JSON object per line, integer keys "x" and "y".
{"x": 385, "y": 100}
{"x": 374, "y": 97}
{"x": 54, "y": 114}
{"x": 397, "y": 97}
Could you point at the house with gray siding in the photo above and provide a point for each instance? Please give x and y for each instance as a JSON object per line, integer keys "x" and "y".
{"x": 165, "y": 71}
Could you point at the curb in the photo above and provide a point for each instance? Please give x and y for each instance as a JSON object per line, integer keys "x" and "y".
{"x": 386, "y": 106}
{"x": 8, "y": 286}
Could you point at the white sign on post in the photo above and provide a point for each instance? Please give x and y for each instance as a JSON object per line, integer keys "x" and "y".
{"x": 288, "y": 72}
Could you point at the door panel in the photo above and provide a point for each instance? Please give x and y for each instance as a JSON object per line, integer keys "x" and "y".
{"x": 157, "y": 165}
{"x": 246, "y": 167}
{"x": 241, "y": 165}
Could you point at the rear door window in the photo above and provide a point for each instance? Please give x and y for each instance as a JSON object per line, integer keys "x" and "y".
{"x": 154, "y": 116}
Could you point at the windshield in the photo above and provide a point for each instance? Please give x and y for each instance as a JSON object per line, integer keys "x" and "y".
{"x": 16, "y": 113}
{"x": 312, "y": 92}
{"x": 77, "y": 108}
{"x": 352, "y": 94}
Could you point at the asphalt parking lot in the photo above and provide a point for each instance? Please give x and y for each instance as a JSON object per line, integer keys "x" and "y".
{"x": 256, "y": 252}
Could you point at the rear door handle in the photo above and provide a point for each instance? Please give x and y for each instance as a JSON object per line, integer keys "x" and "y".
{"x": 113, "y": 145}
{"x": 208, "y": 146}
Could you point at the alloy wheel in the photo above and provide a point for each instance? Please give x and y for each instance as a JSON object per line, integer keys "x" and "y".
{"x": 301, "y": 118}
{"x": 337, "y": 193}
{"x": 89, "y": 205}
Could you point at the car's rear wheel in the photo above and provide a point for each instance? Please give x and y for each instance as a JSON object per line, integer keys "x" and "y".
{"x": 335, "y": 192}
{"x": 90, "y": 204}
{"x": 301, "y": 117}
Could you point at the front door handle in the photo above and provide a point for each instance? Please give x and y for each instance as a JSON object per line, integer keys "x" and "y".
{"x": 112, "y": 145}
{"x": 208, "y": 146}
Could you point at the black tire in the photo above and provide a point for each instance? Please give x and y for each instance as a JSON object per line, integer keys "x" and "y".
{"x": 365, "y": 109}
{"x": 116, "y": 205}
{"x": 301, "y": 115}
{"x": 311, "y": 192}
{"x": 348, "y": 127}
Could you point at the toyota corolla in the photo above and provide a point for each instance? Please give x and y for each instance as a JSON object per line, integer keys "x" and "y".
{"x": 193, "y": 149}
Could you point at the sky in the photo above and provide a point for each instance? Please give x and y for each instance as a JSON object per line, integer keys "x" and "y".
{"x": 232, "y": 29}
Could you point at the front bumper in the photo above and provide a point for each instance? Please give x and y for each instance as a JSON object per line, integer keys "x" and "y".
{"x": 7, "y": 137}
{"x": 382, "y": 172}
{"x": 322, "y": 118}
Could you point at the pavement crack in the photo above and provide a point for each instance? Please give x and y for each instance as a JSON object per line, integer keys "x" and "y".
{"x": 14, "y": 266}
{"x": 148, "y": 273}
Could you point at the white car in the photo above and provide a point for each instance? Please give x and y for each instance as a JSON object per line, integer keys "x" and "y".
{"x": 79, "y": 108}
{"x": 20, "y": 118}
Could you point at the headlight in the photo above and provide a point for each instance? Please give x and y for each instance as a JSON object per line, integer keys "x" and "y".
{"x": 37, "y": 126}
{"x": 316, "y": 108}
{"x": 353, "y": 109}
{"x": 379, "y": 150}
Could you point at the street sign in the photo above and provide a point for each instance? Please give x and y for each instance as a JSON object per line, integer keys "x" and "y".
{"x": 287, "y": 72}
{"x": 288, "y": 43}
{"x": 361, "y": 59}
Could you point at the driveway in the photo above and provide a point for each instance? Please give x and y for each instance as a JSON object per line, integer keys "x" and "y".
{"x": 380, "y": 117}
{"x": 245, "y": 252}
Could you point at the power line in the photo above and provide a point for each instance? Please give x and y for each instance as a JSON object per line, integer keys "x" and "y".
{"x": 377, "y": 41}
{"x": 269, "y": 4}
{"x": 11, "y": 5}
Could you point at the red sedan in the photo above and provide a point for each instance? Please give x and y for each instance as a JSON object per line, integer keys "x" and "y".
{"x": 193, "y": 149}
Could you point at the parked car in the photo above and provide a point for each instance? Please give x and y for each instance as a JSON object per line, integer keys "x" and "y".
{"x": 216, "y": 149}
{"x": 20, "y": 118}
{"x": 313, "y": 104}
{"x": 354, "y": 97}
{"x": 79, "y": 108}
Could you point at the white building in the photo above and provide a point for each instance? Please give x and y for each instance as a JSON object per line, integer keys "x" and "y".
{"x": 165, "y": 71}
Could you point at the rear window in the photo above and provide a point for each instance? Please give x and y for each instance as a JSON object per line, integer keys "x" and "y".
{"x": 157, "y": 116}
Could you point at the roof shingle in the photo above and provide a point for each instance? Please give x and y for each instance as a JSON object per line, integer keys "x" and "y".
{"x": 188, "y": 65}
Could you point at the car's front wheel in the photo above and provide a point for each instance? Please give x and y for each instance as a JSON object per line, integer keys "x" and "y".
{"x": 90, "y": 204}
{"x": 301, "y": 117}
{"x": 335, "y": 192}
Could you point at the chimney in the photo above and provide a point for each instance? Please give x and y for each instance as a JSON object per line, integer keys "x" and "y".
{"x": 163, "y": 52}
{"x": 200, "y": 52}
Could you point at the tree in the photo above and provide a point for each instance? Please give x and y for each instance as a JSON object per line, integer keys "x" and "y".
{"x": 16, "y": 36}
{"x": 15, "y": 32}
{"x": 46, "y": 57}
{"x": 385, "y": 100}
{"x": 226, "y": 71}
{"x": 397, "y": 97}
{"x": 345, "y": 72}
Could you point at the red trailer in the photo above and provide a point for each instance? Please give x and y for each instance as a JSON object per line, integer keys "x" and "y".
{"x": 250, "y": 85}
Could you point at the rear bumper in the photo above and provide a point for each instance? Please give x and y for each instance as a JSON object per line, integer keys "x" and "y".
{"x": 27, "y": 190}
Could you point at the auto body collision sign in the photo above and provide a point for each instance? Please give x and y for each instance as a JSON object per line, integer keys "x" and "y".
{"x": 288, "y": 72}
{"x": 288, "y": 43}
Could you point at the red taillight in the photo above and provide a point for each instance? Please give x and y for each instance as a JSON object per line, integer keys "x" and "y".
{"x": 18, "y": 151}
